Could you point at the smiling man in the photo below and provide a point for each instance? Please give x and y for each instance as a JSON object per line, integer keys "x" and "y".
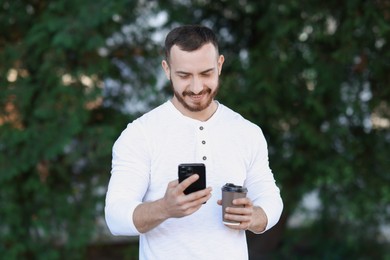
{"x": 194, "y": 74}
{"x": 144, "y": 195}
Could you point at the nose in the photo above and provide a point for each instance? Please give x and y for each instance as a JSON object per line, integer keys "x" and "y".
{"x": 196, "y": 85}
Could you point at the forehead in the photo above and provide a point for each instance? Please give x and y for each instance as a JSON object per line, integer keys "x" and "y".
{"x": 202, "y": 58}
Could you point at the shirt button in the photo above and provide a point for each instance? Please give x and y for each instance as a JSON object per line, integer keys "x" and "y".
{"x": 204, "y": 158}
{"x": 203, "y": 142}
{"x": 201, "y": 128}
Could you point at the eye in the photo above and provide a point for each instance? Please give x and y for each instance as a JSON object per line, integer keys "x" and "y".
{"x": 207, "y": 73}
{"x": 184, "y": 76}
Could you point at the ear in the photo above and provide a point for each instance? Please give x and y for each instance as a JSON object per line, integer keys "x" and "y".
{"x": 221, "y": 60}
{"x": 166, "y": 68}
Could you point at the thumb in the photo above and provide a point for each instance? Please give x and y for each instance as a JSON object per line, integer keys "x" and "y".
{"x": 187, "y": 182}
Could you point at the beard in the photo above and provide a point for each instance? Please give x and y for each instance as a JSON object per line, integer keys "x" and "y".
{"x": 198, "y": 106}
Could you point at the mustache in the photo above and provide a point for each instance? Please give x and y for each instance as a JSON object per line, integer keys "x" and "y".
{"x": 190, "y": 93}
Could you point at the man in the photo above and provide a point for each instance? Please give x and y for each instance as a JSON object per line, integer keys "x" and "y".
{"x": 144, "y": 196}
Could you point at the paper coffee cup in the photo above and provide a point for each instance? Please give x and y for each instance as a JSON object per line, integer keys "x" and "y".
{"x": 231, "y": 192}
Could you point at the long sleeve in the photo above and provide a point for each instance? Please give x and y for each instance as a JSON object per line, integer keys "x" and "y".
{"x": 129, "y": 180}
{"x": 261, "y": 183}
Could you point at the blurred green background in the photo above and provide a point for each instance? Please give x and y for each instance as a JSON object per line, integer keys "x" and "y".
{"x": 315, "y": 75}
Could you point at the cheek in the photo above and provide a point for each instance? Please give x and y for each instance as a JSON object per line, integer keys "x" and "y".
{"x": 212, "y": 82}
{"x": 179, "y": 84}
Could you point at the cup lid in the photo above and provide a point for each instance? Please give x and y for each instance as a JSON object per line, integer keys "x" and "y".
{"x": 234, "y": 188}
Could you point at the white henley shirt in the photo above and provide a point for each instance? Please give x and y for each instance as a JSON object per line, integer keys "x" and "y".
{"x": 146, "y": 158}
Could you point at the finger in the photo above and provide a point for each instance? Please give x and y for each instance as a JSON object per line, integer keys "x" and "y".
{"x": 239, "y": 210}
{"x": 187, "y": 182}
{"x": 192, "y": 209}
{"x": 173, "y": 184}
{"x": 198, "y": 202}
{"x": 242, "y": 201}
{"x": 199, "y": 194}
{"x": 241, "y": 226}
{"x": 189, "y": 206}
{"x": 244, "y": 221}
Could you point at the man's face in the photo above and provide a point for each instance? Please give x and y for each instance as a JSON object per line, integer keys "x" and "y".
{"x": 194, "y": 76}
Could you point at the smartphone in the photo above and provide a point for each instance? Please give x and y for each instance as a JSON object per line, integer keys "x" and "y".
{"x": 188, "y": 169}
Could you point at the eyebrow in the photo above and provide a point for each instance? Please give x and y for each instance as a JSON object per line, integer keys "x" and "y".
{"x": 187, "y": 73}
{"x": 207, "y": 71}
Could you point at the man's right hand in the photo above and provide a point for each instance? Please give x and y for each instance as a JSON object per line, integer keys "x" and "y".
{"x": 174, "y": 204}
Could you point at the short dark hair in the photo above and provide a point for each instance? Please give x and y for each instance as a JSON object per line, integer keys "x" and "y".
{"x": 189, "y": 38}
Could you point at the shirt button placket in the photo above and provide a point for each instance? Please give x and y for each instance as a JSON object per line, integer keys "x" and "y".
{"x": 203, "y": 148}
